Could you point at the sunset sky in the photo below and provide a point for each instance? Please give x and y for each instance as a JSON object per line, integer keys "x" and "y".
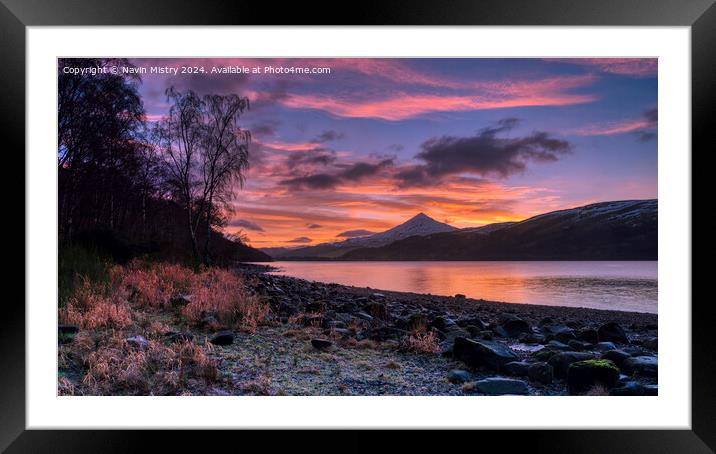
{"x": 465, "y": 141}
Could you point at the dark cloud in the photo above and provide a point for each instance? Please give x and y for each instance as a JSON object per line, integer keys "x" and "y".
{"x": 350, "y": 173}
{"x": 328, "y": 136}
{"x": 245, "y": 223}
{"x": 648, "y": 133}
{"x": 362, "y": 170}
{"x": 263, "y": 130}
{"x": 300, "y": 240}
{"x": 315, "y": 181}
{"x": 484, "y": 154}
{"x": 314, "y": 226}
{"x": 312, "y": 157}
{"x": 354, "y": 233}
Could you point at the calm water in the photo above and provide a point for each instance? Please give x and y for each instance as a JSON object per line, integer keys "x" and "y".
{"x": 625, "y": 286}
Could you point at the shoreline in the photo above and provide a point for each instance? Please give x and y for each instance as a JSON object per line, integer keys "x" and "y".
{"x": 254, "y": 268}
{"x": 297, "y": 337}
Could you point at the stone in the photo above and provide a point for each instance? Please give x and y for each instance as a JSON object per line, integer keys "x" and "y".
{"x": 631, "y": 388}
{"x": 616, "y": 356}
{"x": 643, "y": 366}
{"x": 482, "y": 353}
{"x": 515, "y": 368}
{"x": 576, "y": 345}
{"x": 541, "y": 372}
{"x": 652, "y": 343}
{"x": 605, "y": 346}
{"x": 377, "y": 310}
{"x": 138, "y": 342}
{"x": 561, "y": 361}
{"x": 583, "y": 375}
{"x": 512, "y": 326}
{"x": 561, "y": 333}
{"x": 532, "y": 338}
{"x": 459, "y": 296}
{"x": 500, "y": 386}
{"x": 364, "y": 316}
{"x": 557, "y": 345}
{"x": 222, "y": 338}
{"x": 179, "y": 300}
{"x": 458, "y": 376}
{"x": 587, "y": 335}
{"x": 544, "y": 354}
{"x": 321, "y": 344}
{"x": 442, "y": 323}
{"x": 612, "y": 332}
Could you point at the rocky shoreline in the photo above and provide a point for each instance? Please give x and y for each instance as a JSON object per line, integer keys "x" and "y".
{"x": 481, "y": 347}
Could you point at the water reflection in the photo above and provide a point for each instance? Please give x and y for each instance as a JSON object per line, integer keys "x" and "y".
{"x": 628, "y": 286}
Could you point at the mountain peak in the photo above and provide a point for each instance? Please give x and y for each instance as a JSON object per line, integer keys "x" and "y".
{"x": 421, "y": 216}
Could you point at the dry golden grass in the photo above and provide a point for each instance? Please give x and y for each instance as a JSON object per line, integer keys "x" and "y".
{"x": 422, "y": 343}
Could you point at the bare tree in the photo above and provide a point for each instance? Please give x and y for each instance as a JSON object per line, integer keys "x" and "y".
{"x": 180, "y": 136}
{"x": 207, "y": 154}
{"x": 226, "y": 154}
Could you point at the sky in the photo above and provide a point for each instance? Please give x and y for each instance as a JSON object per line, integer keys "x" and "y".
{"x": 369, "y": 143}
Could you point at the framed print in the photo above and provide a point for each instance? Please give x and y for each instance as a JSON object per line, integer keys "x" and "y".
{"x": 457, "y": 217}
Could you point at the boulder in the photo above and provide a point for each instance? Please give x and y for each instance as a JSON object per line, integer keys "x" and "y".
{"x": 631, "y": 388}
{"x": 616, "y": 356}
{"x": 222, "y": 338}
{"x": 612, "y": 332}
{"x": 321, "y": 344}
{"x": 458, "y": 376}
{"x": 587, "y": 335}
{"x": 500, "y": 386}
{"x": 605, "y": 346}
{"x": 138, "y": 342}
{"x": 561, "y": 361}
{"x": 643, "y": 366}
{"x": 532, "y": 338}
{"x": 515, "y": 368}
{"x": 652, "y": 343}
{"x": 443, "y": 323}
{"x": 583, "y": 375}
{"x": 561, "y": 333}
{"x": 482, "y": 353}
{"x": 512, "y": 326}
{"x": 557, "y": 345}
{"x": 541, "y": 372}
{"x": 578, "y": 345}
{"x": 179, "y": 300}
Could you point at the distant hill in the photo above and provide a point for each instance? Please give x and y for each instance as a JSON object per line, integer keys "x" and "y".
{"x": 621, "y": 230}
{"x": 418, "y": 225}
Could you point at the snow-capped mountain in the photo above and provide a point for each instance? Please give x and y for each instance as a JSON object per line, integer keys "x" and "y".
{"x": 621, "y": 230}
{"x": 419, "y": 225}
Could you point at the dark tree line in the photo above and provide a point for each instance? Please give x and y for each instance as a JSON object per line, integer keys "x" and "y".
{"x": 128, "y": 186}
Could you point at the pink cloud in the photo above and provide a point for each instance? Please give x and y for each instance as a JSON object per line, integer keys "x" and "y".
{"x": 405, "y": 106}
{"x": 613, "y": 128}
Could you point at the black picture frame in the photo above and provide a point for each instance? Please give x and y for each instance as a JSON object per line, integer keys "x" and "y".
{"x": 16, "y": 15}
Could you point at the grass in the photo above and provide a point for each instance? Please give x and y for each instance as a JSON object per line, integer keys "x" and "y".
{"x": 137, "y": 300}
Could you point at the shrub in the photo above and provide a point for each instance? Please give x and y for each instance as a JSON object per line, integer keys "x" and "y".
{"x": 223, "y": 294}
{"x": 118, "y": 368}
{"x": 422, "y": 343}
